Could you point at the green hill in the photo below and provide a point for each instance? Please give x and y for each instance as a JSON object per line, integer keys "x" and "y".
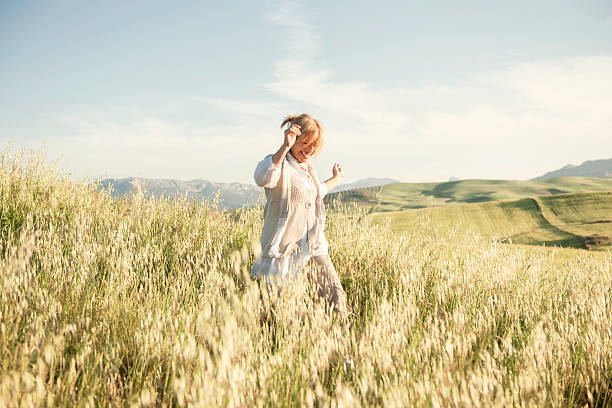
{"x": 579, "y": 220}
{"x": 562, "y": 211}
{"x": 398, "y": 196}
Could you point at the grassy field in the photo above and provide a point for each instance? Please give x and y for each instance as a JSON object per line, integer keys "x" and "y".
{"x": 581, "y": 213}
{"x": 400, "y": 196}
{"x": 363, "y": 197}
{"x": 140, "y": 302}
{"x": 560, "y": 220}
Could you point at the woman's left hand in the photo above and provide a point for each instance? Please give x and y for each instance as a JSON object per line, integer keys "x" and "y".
{"x": 337, "y": 172}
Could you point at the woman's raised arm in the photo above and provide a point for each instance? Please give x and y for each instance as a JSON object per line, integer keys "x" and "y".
{"x": 337, "y": 177}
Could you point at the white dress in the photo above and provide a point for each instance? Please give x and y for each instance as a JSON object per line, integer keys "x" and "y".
{"x": 266, "y": 175}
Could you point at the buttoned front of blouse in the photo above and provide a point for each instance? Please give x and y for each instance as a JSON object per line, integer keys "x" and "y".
{"x": 267, "y": 175}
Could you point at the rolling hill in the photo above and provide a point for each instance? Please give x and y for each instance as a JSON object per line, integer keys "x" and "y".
{"x": 400, "y": 196}
{"x": 394, "y": 197}
{"x": 364, "y": 183}
{"x": 562, "y": 211}
{"x": 579, "y": 220}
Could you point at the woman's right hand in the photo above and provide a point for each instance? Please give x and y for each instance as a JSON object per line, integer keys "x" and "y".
{"x": 291, "y": 134}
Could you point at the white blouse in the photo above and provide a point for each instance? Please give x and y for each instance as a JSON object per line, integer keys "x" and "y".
{"x": 266, "y": 175}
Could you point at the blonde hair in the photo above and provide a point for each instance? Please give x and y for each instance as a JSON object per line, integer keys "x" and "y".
{"x": 310, "y": 128}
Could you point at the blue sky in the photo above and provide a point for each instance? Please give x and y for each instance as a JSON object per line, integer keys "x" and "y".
{"x": 416, "y": 91}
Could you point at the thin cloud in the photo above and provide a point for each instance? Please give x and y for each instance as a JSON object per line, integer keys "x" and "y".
{"x": 252, "y": 109}
{"x": 493, "y": 119}
{"x": 301, "y": 78}
{"x": 514, "y": 123}
{"x": 97, "y": 144}
{"x": 291, "y": 16}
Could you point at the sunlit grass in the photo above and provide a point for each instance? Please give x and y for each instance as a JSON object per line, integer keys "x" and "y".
{"x": 149, "y": 303}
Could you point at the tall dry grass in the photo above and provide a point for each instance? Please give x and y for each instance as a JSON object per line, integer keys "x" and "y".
{"x": 148, "y": 302}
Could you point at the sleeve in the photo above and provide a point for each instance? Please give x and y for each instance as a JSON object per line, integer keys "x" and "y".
{"x": 266, "y": 175}
{"x": 322, "y": 189}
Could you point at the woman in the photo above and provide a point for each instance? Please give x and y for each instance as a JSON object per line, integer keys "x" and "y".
{"x": 294, "y": 216}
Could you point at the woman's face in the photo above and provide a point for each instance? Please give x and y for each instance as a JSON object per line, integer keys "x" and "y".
{"x": 302, "y": 151}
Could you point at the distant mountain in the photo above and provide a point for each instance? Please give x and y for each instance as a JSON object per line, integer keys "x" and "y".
{"x": 230, "y": 195}
{"x": 366, "y": 182}
{"x": 590, "y": 168}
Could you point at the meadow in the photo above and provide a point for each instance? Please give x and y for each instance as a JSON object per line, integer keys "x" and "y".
{"x": 148, "y": 302}
{"x": 402, "y": 196}
{"x": 577, "y": 220}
